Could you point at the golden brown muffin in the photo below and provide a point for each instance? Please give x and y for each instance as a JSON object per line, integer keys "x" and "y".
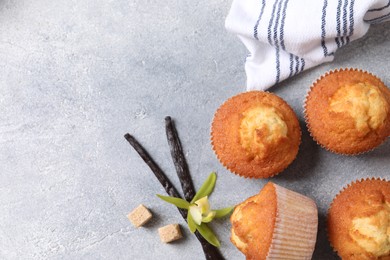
{"x": 275, "y": 224}
{"x": 255, "y": 134}
{"x": 348, "y": 111}
{"x": 359, "y": 221}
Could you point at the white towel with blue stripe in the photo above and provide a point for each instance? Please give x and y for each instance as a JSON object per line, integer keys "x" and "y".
{"x": 286, "y": 37}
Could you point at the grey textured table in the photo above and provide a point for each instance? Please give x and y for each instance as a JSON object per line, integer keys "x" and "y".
{"x": 75, "y": 76}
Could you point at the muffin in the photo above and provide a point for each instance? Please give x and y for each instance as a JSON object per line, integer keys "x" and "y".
{"x": 275, "y": 224}
{"x": 347, "y": 111}
{"x": 255, "y": 134}
{"x": 359, "y": 220}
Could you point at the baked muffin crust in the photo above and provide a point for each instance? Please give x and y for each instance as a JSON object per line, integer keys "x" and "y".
{"x": 260, "y": 127}
{"x": 255, "y": 134}
{"x": 253, "y": 222}
{"x": 373, "y": 233}
{"x": 359, "y": 220}
{"x": 277, "y": 223}
{"x": 364, "y": 103}
{"x": 348, "y": 111}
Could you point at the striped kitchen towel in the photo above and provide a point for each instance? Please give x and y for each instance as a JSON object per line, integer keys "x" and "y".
{"x": 286, "y": 37}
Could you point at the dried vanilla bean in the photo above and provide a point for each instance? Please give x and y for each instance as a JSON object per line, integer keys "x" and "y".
{"x": 210, "y": 252}
{"x": 179, "y": 159}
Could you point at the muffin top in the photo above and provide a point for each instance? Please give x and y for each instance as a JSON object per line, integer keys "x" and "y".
{"x": 255, "y": 134}
{"x": 261, "y": 127}
{"x": 359, "y": 220}
{"x": 364, "y": 103}
{"x": 348, "y": 111}
{"x": 253, "y": 223}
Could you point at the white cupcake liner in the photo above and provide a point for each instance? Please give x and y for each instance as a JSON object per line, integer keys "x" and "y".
{"x": 296, "y": 226}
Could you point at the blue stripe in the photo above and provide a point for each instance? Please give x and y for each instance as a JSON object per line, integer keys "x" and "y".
{"x": 282, "y": 36}
{"x": 282, "y": 25}
{"x": 276, "y": 40}
{"x": 302, "y": 65}
{"x": 296, "y": 65}
{"x": 378, "y": 19}
{"x": 380, "y": 8}
{"x": 271, "y": 21}
{"x": 291, "y": 65}
{"x": 258, "y": 20}
{"x": 383, "y": 19}
{"x": 338, "y": 23}
{"x": 351, "y": 20}
{"x": 277, "y": 66}
{"x": 323, "y": 32}
{"x": 344, "y": 22}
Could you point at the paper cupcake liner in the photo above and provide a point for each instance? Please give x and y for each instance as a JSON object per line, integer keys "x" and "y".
{"x": 307, "y": 120}
{"x": 359, "y": 181}
{"x": 295, "y": 226}
{"x": 340, "y": 192}
{"x": 234, "y": 171}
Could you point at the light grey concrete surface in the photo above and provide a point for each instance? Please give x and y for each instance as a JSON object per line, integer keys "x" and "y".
{"x": 75, "y": 76}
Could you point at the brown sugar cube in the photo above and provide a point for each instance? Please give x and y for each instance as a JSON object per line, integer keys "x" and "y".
{"x": 139, "y": 216}
{"x": 170, "y": 233}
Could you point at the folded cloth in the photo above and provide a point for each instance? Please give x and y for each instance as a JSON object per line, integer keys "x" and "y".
{"x": 286, "y": 37}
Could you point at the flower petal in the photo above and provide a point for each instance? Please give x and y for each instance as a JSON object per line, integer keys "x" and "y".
{"x": 209, "y": 235}
{"x": 206, "y": 188}
{"x": 195, "y": 214}
{"x": 191, "y": 223}
{"x": 180, "y": 203}
{"x": 220, "y": 213}
{"x": 203, "y": 204}
{"x": 209, "y": 217}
